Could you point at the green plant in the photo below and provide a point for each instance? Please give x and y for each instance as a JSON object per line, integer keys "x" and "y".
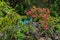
{"x": 54, "y": 8}
{"x": 19, "y": 35}
{"x": 8, "y": 20}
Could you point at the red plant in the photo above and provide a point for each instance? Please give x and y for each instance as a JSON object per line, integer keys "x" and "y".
{"x": 33, "y": 16}
{"x": 47, "y": 12}
{"x": 29, "y": 13}
{"x": 45, "y": 27}
{"x": 42, "y": 12}
{"x": 44, "y": 17}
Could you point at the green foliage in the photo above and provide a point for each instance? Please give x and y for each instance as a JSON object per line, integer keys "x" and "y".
{"x": 8, "y": 20}
{"x": 8, "y": 16}
{"x": 54, "y": 9}
{"x": 19, "y": 35}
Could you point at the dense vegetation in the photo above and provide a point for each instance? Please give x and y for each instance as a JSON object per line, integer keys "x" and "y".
{"x": 29, "y": 19}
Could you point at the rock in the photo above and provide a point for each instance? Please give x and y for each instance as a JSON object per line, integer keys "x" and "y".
{"x": 1, "y": 34}
{"x": 56, "y": 37}
{"x": 48, "y": 38}
{"x": 44, "y": 38}
{"x": 41, "y": 39}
